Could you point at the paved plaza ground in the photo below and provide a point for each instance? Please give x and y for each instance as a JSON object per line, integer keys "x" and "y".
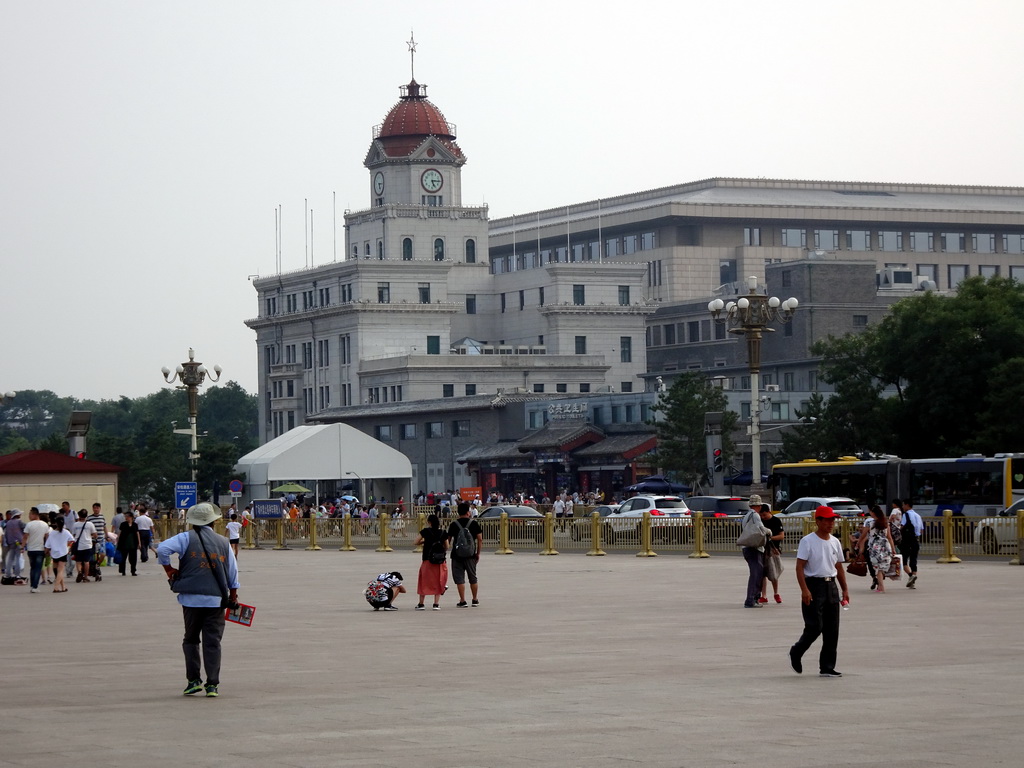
{"x": 570, "y": 661}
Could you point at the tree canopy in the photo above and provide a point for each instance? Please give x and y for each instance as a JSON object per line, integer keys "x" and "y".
{"x": 137, "y": 434}
{"x": 938, "y": 376}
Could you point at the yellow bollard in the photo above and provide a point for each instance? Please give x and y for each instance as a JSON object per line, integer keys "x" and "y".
{"x": 383, "y": 521}
{"x": 698, "y": 536}
{"x": 280, "y": 534}
{"x": 645, "y": 537}
{"x": 249, "y": 544}
{"x": 947, "y": 538}
{"x": 549, "y": 535}
{"x": 1019, "y": 559}
{"x": 503, "y": 547}
{"x": 346, "y": 535}
{"x": 595, "y": 535}
{"x": 422, "y": 523}
{"x": 312, "y": 535}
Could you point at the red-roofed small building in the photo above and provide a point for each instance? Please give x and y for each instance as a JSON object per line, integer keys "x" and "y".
{"x": 30, "y": 478}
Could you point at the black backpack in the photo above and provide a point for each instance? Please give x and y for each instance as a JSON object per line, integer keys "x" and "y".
{"x": 908, "y": 531}
{"x": 437, "y": 553}
{"x": 465, "y": 546}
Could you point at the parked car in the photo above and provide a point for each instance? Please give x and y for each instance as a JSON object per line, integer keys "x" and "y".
{"x": 656, "y": 484}
{"x": 805, "y": 506}
{"x": 718, "y": 506}
{"x": 669, "y": 516}
{"x": 582, "y": 526}
{"x": 994, "y": 534}
{"x": 523, "y": 522}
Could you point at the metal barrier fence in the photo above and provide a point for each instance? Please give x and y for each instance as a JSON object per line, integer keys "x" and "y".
{"x": 946, "y": 538}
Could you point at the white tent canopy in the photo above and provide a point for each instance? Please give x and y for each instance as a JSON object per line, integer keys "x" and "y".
{"x": 312, "y": 453}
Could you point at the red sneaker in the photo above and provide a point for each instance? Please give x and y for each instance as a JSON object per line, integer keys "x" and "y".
{"x": 778, "y": 598}
{"x": 762, "y": 599}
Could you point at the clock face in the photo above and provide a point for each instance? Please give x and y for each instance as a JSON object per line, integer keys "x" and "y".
{"x": 378, "y": 183}
{"x": 431, "y": 180}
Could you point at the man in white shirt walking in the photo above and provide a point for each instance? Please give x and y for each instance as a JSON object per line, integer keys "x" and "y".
{"x": 819, "y": 565}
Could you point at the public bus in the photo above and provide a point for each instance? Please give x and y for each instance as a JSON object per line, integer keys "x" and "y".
{"x": 970, "y": 486}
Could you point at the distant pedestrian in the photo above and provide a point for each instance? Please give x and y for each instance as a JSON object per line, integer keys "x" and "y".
{"x": 85, "y": 545}
{"x": 433, "y": 576}
{"x": 467, "y": 539}
{"x": 145, "y": 523}
{"x": 206, "y": 582}
{"x": 14, "y": 539}
{"x": 819, "y": 565}
{"x": 880, "y": 547}
{"x": 754, "y": 555}
{"x": 100, "y": 549}
{"x": 128, "y": 543}
{"x": 772, "y": 554}
{"x": 36, "y": 532}
{"x": 910, "y": 540}
{"x": 58, "y": 543}
{"x": 234, "y": 531}
{"x": 381, "y": 592}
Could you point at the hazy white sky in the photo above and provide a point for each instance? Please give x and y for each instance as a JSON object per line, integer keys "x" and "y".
{"x": 145, "y": 144}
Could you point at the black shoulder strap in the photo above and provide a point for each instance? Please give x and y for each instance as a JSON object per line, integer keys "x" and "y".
{"x": 216, "y": 571}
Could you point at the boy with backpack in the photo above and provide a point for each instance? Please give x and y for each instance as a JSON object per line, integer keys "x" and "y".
{"x": 467, "y": 539}
{"x": 381, "y": 592}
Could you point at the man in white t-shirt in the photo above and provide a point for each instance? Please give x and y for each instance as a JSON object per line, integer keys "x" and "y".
{"x": 819, "y": 566}
{"x": 35, "y": 548}
{"x": 145, "y": 523}
{"x": 559, "y": 510}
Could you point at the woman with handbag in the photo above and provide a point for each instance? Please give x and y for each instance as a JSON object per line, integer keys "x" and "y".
{"x": 772, "y": 554}
{"x": 433, "y": 576}
{"x": 880, "y": 546}
{"x": 752, "y": 538}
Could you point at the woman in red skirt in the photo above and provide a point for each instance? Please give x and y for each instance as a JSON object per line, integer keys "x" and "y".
{"x": 433, "y": 578}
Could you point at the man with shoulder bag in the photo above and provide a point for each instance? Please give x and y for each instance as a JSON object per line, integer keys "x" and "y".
{"x": 206, "y": 582}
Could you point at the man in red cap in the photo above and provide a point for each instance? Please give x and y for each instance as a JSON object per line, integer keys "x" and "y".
{"x": 819, "y": 565}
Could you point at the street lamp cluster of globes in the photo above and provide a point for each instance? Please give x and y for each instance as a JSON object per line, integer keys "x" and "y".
{"x": 191, "y": 374}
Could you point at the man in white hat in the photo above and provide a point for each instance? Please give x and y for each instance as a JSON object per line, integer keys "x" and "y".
{"x": 206, "y": 582}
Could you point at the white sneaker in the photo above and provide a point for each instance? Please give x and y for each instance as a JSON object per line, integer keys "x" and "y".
{"x": 34, "y": 589}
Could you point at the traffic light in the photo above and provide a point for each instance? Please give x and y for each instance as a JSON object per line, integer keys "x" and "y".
{"x": 719, "y": 460}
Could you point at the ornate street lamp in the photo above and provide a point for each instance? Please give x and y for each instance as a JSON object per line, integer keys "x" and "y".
{"x": 191, "y": 375}
{"x": 750, "y": 315}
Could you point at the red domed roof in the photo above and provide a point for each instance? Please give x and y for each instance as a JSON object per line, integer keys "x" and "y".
{"x": 411, "y": 120}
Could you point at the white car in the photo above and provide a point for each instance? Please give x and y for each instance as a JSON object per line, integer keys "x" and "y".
{"x": 805, "y": 506}
{"x": 669, "y": 515}
{"x": 994, "y": 534}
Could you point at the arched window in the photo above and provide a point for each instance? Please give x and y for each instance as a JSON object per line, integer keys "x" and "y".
{"x": 355, "y": 251}
{"x": 471, "y": 251}
{"x": 439, "y": 249}
{"x": 380, "y": 250}
{"x": 407, "y": 249}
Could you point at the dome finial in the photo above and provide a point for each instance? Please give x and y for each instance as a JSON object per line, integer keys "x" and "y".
{"x": 412, "y": 56}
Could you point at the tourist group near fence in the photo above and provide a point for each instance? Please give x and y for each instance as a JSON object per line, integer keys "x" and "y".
{"x": 946, "y": 538}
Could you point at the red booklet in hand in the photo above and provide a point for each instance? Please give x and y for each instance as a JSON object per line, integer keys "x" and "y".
{"x": 241, "y": 615}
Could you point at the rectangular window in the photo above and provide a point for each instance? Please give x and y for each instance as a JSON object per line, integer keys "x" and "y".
{"x": 272, "y": 306}
{"x": 325, "y": 297}
{"x": 625, "y": 349}
{"x": 1017, "y": 273}
{"x": 470, "y": 390}
{"x": 670, "y": 334}
{"x": 647, "y": 241}
{"x": 307, "y": 399}
{"x": 987, "y": 270}
{"x": 611, "y": 248}
{"x": 522, "y": 300}
{"x": 383, "y": 293}
{"x": 726, "y": 271}
{"x": 922, "y": 241}
{"x": 408, "y": 431}
{"x": 561, "y": 388}
{"x": 577, "y": 251}
{"x": 325, "y": 397}
{"x": 503, "y": 303}
{"x": 581, "y": 345}
{"x": 536, "y": 419}
{"x": 460, "y": 428}
{"x": 323, "y": 349}
{"x": 538, "y": 387}
{"x": 585, "y": 387}
{"x": 346, "y": 293}
{"x": 424, "y": 292}
{"x": 579, "y": 295}
{"x": 470, "y": 303}
{"x": 291, "y": 302}
{"x": 382, "y": 431}
{"x": 953, "y": 242}
{"x": 751, "y": 235}
{"x": 623, "y": 295}
{"x": 307, "y": 354}
{"x": 1013, "y": 243}
{"x": 858, "y": 240}
{"x": 860, "y": 321}
{"x": 291, "y": 387}
{"x": 630, "y": 243}
{"x": 890, "y": 241}
{"x": 435, "y": 429}
{"x": 780, "y": 411}
{"x": 794, "y": 238}
{"x": 540, "y": 296}
{"x": 433, "y": 345}
{"x": 931, "y": 271}
{"x": 307, "y": 299}
{"x": 693, "y": 331}
{"x": 787, "y": 382}
{"x": 812, "y": 381}
{"x": 983, "y": 243}
{"x": 447, "y": 390}
{"x": 826, "y": 239}
{"x": 345, "y": 349}
{"x": 625, "y": 386}
{"x": 957, "y": 274}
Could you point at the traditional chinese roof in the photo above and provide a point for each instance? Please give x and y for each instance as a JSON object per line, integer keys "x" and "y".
{"x": 626, "y": 446}
{"x": 562, "y": 436}
{"x": 508, "y": 449}
{"x": 51, "y": 462}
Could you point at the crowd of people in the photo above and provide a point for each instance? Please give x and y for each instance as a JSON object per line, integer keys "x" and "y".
{"x": 55, "y": 544}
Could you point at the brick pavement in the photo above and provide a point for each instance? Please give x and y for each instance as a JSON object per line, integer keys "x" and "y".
{"x": 571, "y": 660}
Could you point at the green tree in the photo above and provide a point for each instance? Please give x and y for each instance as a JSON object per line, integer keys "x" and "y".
{"x": 679, "y": 422}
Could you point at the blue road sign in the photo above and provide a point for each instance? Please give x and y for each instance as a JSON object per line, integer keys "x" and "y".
{"x": 266, "y": 508}
{"x": 185, "y": 495}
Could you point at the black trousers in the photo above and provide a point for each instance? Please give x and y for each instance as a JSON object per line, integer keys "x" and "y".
{"x": 205, "y": 625}
{"x": 909, "y": 552}
{"x": 130, "y": 556}
{"x": 821, "y": 618}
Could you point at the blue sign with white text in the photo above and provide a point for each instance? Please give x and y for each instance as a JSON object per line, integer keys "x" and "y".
{"x": 185, "y": 495}
{"x": 266, "y": 508}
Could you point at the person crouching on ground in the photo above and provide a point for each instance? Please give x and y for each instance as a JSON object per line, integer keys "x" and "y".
{"x": 382, "y": 591}
{"x": 206, "y": 582}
